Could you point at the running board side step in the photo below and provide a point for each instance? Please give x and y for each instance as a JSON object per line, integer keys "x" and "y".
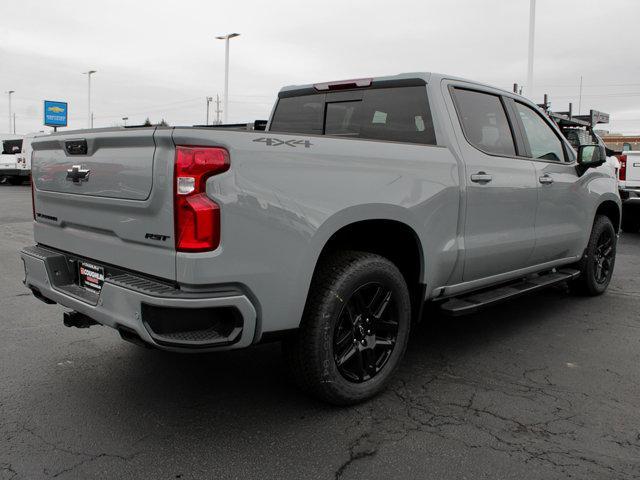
{"x": 473, "y": 302}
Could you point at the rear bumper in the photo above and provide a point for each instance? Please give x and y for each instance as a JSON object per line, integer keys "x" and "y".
{"x": 159, "y": 313}
{"x": 14, "y": 172}
{"x": 630, "y": 194}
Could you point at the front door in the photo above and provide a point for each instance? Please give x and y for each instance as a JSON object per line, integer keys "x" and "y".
{"x": 562, "y": 219}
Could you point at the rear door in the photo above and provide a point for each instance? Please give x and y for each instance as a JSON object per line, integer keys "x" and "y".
{"x": 562, "y": 219}
{"x": 107, "y": 195}
{"x": 501, "y": 187}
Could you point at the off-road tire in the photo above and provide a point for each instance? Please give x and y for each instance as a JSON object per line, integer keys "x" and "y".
{"x": 587, "y": 283}
{"x": 310, "y": 353}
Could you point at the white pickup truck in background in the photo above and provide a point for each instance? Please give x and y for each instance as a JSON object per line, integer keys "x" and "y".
{"x": 629, "y": 186}
{"x": 12, "y": 167}
{"x": 15, "y": 160}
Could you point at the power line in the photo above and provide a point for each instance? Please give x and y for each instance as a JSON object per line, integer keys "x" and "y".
{"x": 587, "y": 85}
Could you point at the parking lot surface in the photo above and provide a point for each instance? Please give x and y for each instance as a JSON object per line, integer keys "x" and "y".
{"x": 546, "y": 386}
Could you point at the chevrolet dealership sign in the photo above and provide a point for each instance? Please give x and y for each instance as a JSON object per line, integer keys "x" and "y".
{"x": 55, "y": 113}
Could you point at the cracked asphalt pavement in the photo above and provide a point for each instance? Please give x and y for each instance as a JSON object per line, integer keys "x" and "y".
{"x": 546, "y": 386}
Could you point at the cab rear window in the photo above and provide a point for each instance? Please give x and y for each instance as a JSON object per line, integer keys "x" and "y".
{"x": 399, "y": 114}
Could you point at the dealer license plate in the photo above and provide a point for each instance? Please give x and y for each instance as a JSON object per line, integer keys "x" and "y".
{"x": 91, "y": 276}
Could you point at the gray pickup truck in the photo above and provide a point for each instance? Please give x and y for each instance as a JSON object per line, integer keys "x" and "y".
{"x": 329, "y": 230}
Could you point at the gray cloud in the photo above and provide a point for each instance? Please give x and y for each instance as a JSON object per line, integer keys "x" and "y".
{"x": 160, "y": 59}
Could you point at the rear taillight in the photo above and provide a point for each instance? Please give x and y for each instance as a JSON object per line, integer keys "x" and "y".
{"x": 197, "y": 217}
{"x": 622, "y": 173}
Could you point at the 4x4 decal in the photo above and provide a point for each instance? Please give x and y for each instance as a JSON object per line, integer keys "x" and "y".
{"x": 276, "y": 142}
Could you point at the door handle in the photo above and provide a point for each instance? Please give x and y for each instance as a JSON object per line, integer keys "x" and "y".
{"x": 546, "y": 179}
{"x": 481, "y": 177}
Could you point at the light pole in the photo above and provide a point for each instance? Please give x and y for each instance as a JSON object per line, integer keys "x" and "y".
{"x": 209, "y": 99}
{"x": 124, "y": 119}
{"x": 9, "y": 94}
{"x": 532, "y": 33}
{"x": 226, "y": 39}
{"x": 89, "y": 116}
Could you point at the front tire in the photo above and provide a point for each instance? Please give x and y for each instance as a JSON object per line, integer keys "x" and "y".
{"x": 596, "y": 267}
{"x": 354, "y": 329}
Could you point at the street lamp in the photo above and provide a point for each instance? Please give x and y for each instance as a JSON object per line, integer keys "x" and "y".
{"x": 124, "y": 119}
{"x": 226, "y": 39}
{"x": 9, "y": 94}
{"x": 532, "y": 32}
{"x": 209, "y": 100}
{"x": 89, "y": 117}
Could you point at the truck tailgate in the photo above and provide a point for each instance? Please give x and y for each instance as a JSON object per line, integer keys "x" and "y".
{"x": 8, "y": 162}
{"x": 107, "y": 195}
{"x": 633, "y": 166}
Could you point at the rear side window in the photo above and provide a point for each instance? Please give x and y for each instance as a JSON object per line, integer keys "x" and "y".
{"x": 343, "y": 118}
{"x": 398, "y": 114}
{"x": 543, "y": 141}
{"x": 484, "y": 121}
{"x": 302, "y": 114}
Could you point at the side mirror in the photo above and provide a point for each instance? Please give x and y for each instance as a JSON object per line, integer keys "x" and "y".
{"x": 591, "y": 155}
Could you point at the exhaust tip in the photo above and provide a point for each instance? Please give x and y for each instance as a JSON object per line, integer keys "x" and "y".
{"x": 77, "y": 320}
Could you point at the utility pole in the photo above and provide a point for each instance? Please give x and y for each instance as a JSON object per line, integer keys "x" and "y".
{"x": 226, "y": 39}
{"x": 218, "y": 111}
{"x": 89, "y": 114}
{"x": 580, "y": 97}
{"x": 14, "y": 123}
{"x": 532, "y": 32}
{"x": 208, "y": 102}
{"x": 9, "y": 94}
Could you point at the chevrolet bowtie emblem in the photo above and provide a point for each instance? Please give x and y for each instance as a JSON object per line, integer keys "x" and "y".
{"x": 78, "y": 174}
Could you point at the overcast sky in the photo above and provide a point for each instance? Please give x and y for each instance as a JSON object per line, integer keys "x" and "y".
{"x": 159, "y": 59}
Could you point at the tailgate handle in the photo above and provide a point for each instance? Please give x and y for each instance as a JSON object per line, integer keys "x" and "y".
{"x": 76, "y": 147}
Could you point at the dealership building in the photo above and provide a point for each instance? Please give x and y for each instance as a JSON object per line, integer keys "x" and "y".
{"x": 622, "y": 142}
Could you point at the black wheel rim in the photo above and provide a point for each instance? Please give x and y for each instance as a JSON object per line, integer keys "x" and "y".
{"x": 366, "y": 333}
{"x": 603, "y": 257}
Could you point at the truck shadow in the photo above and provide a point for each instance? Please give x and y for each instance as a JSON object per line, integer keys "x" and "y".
{"x": 140, "y": 401}
{"x": 258, "y": 378}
